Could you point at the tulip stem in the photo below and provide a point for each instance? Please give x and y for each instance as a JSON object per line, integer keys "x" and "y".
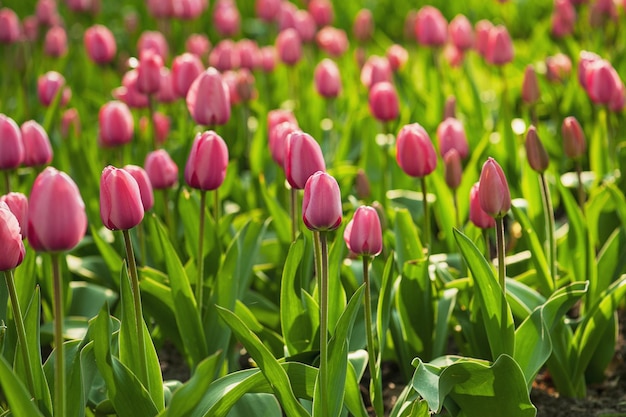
{"x": 21, "y": 331}
{"x": 457, "y": 217}
{"x": 426, "y": 214}
{"x": 59, "y": 361}
{"x": 200, "y": 279}
{"x": 323, "y": 287}
{"x": 487, "y": 245}
{"x": 168, "y": 215}
{"x": 581, "y": 188}
{"x": 294, "y": 213}
{"x": 134, "y": 283}
{"x": 549, "y": 219}
{"x": 500, "y": 248}
{"x": 375, "y": 383}
{"x": 7, "y": 181}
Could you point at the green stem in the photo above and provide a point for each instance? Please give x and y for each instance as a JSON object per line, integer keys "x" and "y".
{"x": 21, "y": 331}
{"x": 487, "y": 246}
{"x": 500, "y": 248}
{"x": 375, "y": 386}
{"x": 134, "y": 283}
{"x": 59, "y": 361}
{"x": 142, "y": 243}
{"x": 151, "y": 124}
{"x": 426, "y": 214}
{"x": 168, "y": 215}
{"x": 7, "y": 181}
{"x": 323, "y": 285}
{"x": 200, "y": 280}
{"x": 457, "y": 216}
{"x": 581, "y": 188}
{"x": 549, "y": 219}
{"x": 294, "y": 213}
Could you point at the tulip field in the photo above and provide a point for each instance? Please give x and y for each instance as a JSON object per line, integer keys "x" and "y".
{"x": 312, "y": 208}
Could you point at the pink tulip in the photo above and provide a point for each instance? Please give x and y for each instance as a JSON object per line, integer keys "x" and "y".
{"x": 289, "y": 46}
{"x": 149, "y": 72}
{"x": 376, "y": 69}
{"x": 415, "y": 152}
{"x": 224, "y": 55}
{"x": 601, "y": 12}
{"x": 363, "y": 27}
{"x": 451, "y": 135}
{"x": 383, "y": 101}
{"x": 574, "y": 143}
{"x": 327, "y": 79}
{"x": 83, "y": 6}
{"x": 267, "y": 10}
{"x": 185, "y": 69}
{"x": 160, "y": 8}
{"x": 198, "y": 45}
{"x": 530, "y": 86}
{"x": 305, "y": 25}
{"x": 454, "y": 168}
{"x": 11, "y": 144}
{"x": 48, "y": 85}
{"x": 249, "y": 55}
{"x": 601, "y": 81}
{"x": 162, "y": 127}
{"x": 397, "y": 57}
{"x": 558, "y": 67}
{"x": 321, "y": 205}
{"x": 278, "y": 141}
{"x": 129, "y": 92}
{"x": 493, "y": 194}
{"x": 303, "y": 157}
{"x": 18, "y": 204}
{"x": 100, "y": 44}
{"x": 244, "y": 84}
{"x": 145, "y": 186}
{"x": 55, "y": 42}
{"x": 535, "y": 152}
{"x": 276, "y": 117}
{"x": 121, "y": 207}
{"x": 409, "y": 25}
{"x": 431, "y": 27}
{"x": 155, "y": 41}
{"x": 46, "y": 12}
{"x": 9, "y": 26}
{"x": 461, "y": 32}
{"x": 206, "y": 166}
{"x": 287, "y": 16}
{"x": 226, "y": 18}
{"x": 12, "y": 250}
{"x": 56, "y": 213}
{"x": 363, "y": 234}
{"x": 476, "y": 214}
{"x": 322, "y": 12}
{"x": 563, "y": 18}
{"x": 267, "y": 56}
{"x": 449, "y": 110}
{"x": 30, "y": 29}
{"x": 333, "y": 41}
{"x": 116, "y": 124}
{"x": 37, "y": 148}
{"x": 482, "y": 29}
{"x": 166, "y": 92}
{"x": 208, "y": 100}
{"x": 188, "y": 9}
{"x": 161, "y": 169}
{"x": 499, "y": 46}
{"x": 230, "y": 79}
{"x": 70, "y": 119}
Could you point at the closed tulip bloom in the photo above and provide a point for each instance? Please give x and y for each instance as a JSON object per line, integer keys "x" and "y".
{"x": 332, "y": 40}
{"x": 226, "y": 18}
{"x": 289, "y": 46}
{"x": 155, "y": 41}
{"x": 499, "y": 46}
{"x": 11, "y": 143}
{"x": 116, "y": 124}
{"x": 185, "y": 69}
{"x": 208, "y": 99}
{"x": 12, "y": 250}
{"x": 586, "y": 58}
{"x": 145, "y": 186}
{"x": 129, "y": 91}
{"x": 230, "y": 79}
{"x": 563, "y": 18}
{"x": 574, "y": 143}
{"x": 121, "y": 207}
{"x": 267, "y": 10}
{"x": 558, "y": 67}
{"x": 159, "y": 8}
{"x": 431, "y": 27}
{"x": 188, "y": 9}
{"x": 454, "y": 168}
{"x": 530, "y": 86}
{"x": 37, "y": 148}
{"x": 601, "y": 81}
{"x": 327, "y": 79}
{"x": 149, "y": 72}
{"x": 18, "y": 204}
{"x": 207, "y": 162}
{"x": 363, "y": 234}
{"x": 415, "y": 152}
{"x": 303, "y": 157}
{"x": 397, "y": 56}
{"x": 493, "y": 194}
{"x": 363, "y": 27}
{"x": 322, "y": 12}
{"x": 287, "y": 16}
{"x": 383, "y": 101}
{"x": 321, "y": 205}
{"x": 30, "y": 29}
{"x": 244, "y": 85}
{"x": 55, "y": 42}
{"x": 477, "y": 215}
{"x": 277, "y": 116}
{"x": 267, "y": 58}
{"x": 224, "y": 55}
{"x": 56, "y": 213}
{"x": 46, "y": 12}
{"x": 376, "y": 69}
{"x": 249, "y": 55}
{"x": 198, "y": 44}
{"x": 305, "y": 25}
{"x": 70, "y": 123}
{"x": 482, "y": 29}
{"x": 166, "y": 92}
{"x": 161, "y": 169}
{"x": 9, "y": 26}
{"x": 100, "y": 44}
{"x": 278, "y": 141}
{"x": 451, "y": 135}
{"x": 461, "y": 32}
{"x": 535, "y": 152}
{"x": 48, "y": 85}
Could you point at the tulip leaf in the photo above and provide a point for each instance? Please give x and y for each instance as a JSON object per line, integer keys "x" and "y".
{"x": 408, "y": 244}
{"x": 336, "y": 293}
{"x": 15, "y": 393}
{"x": 189, "y": 209}
{"x": 385, "y": 300}
{"x": 112, "y": 259}
{"x": 280, "y": 218}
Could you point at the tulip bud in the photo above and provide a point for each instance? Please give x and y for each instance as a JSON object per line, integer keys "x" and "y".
{"x": 493, "y": 193}
{"x": 397, "y": 57}
{"x": 46, "y": 11}
{"x": 303, "y": 157}
{"x": 363, "y": 27}
{"x": 11, "y": 143}
{"x": 363, "y": 234}
{"x": 322, "y": 12}
{"x": 451, "y": 135}
{"x": 277, "y": 116}
{"x": 558, "y": 67}
{"x": 18, "y": 204}
{"x": 305, "y": 26}
{"x": 586, "y": 59}
{"x": 100, "y": 44}
{"x": 362, "y": 185}
{"x": 30, "y": 29}
{"x": 37, "y": 148}
{"x": 224, "y": 55}
{"x": 278, "y": 141}
{"x": 121, "y": 207}
{"x": 535, "y": 152}
{"x": 267, "y": 10}
{"x": 321, "y": 205}
{"x": 483, "y": 28}
{"x": 476, "y": 214}
{"x": 431, "y": 27}
{"x": 208, "y": 99}
{"x": 454, "y": 169}
{"x": 333, "y": 41}
{"x": 267, "y": 56}
{"x": 249, "y": 54}
{"x": 415, "y": 152}
{"x": 449, "y": 110}
{"x": 12, "y": 249}
{"x": 48, "y": 86}
{"x": 188, "y": 9}
{"x": 327, "y": 79}
{"x": 116, "y": 124}
{"x": 166, "y": 92}
{"x": 149, "y": 72}
{"x": 56, "y": 213}
{"x": 185, "y": 69}
{"x": 530, "y": 86}
{"x": 563, "y": 18}
{"x": 161, "y": 169}
{"x": 601, "y": 81}
{"x": 574, "y": 143}
{"x": 207, "y": 162}
{"x": 226, "y": 18}
{"x": 129, "y": 92}
{"x": 155, "y": 41}
{"x": 461, "y": 32}
{"x": 9, "y": 26}
{"x": 499, "y": 46}
{"x": 289, "y": 46}
{"x": 383, "y": 101}
{"x": 198, "y": 44}
{"x": 376, "y": 69}
{"x": 145, "y": 186}
{"x": 244, "y": 85}
{"x": 55, "y": 42}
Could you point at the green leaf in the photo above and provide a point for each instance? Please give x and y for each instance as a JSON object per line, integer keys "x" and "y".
{"x": 112, "y": 259}
{"x": 189, "y": 209}
{"x": 445, "y": 307}
{"x": 496, "y": 313}
{"x": 336, "y": 293}
{"x": 408, "y": 244}
{"x": 16, "y": 394}
{"x": 273, "y": 372}
{"x": 280, "y": 218}
{"x": 257, "y": 404}
{"x": 385, "y": 299}
{"x": 476, "y": 388}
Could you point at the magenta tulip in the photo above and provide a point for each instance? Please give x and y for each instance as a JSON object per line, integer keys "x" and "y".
{"x": 208, "y": 99}
{"x": 149, "y": 72}
{"x": 161, "y": 169}
{"x": 431, "y": 27}
{"x": 303, "y": 157}
{"x": 207, "y": 162}
{"x": 224, "y": 56}
{"x": 185, "y": 69}
{"x": 18, "y": 204}
{"x": 198, "y": 45}
{"x": 363, "y": 234}
{"x": 454, "y": 168}
{"x": 11, "y": 143}
{"x": 37, "y": 148}
{"x": 322, "y": 12}
{"x": 574, "y": 143}
{"x": 48, "y": 86}
{"x": 476, "y": 214}
{"x": 121, "y": 207}
{"x": 415, "y": 152}
{"x": 12, "y": 250}
{"x": 383, "y": 101}
{"x": 155, "y": 41}
{"x": 9, "y": 26}
{"x": 289, "y": 46}
{"x": 327, "y": 79}
{"x": 100, "y": 44}
{"x": 332, "y": 40}
{"x": 116, "y": 124}
{"x": 535, "y": 152}
{"x": 530, "y": 86}
{"x": 499, "y": 46}
{"x": 461, "y": 32}
{"x": 397, "y": 56}
{"x": 321, "y": 206}
{"x": 376, "y": 69}
{"x": 277, "y": 116}
{"x": 55, "y": 42}
{"x": 363, "y": 26}
{"x": 494, "y": 195}
{"x": 145, "y": 186}
{"x": 451, "y": 135}
{"x": 278, "y": 141}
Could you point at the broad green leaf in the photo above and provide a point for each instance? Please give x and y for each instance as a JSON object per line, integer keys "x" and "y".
{"x": 336, "y": 293}
{"x": 443, "y": 208}
{"x": 273, "y": 372}
{"x": 15, "y": 393}
{"x": 611, "y": 260}
{"x": 445, "y": 307}
{"x": 522, "y": 299}
{"x": 496, "y": 313}
{"x": 189, "y": 209}
{"x": 256, "y": 404}
{"x": 280, "y": 217}
{"x": 408, "y": 244}
{"x": 385, "y": 300}
{"x": 109, "y": 254}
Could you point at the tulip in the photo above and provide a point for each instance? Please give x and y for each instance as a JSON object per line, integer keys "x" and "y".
{"x": 121, "y": 207}
{"x": 451, "y": 135}
{"x": 160, "y": 8}
{"x": 333, "y": 41}
{"x": 289, "y": 46}
{"x": 129, "y": 92}
{"x": 12, "y": 250}
{"x": 601, "y": 12}
{"x": 206, "y": 166}
{"x": 397, "y": 57}
{"x": 185, "y": 69}
{"x": 226, "y": 18}
{"x": 249, "y": 54}
{"x": 18, "y": 204}
{"x": 499, "y": 46}
{"x": 574, "y": 143}
{"x": 198, "y": 44}
{"x": 376, "y": 69}
{"x": 363, "y": 234}
{"x": 9, "y": 26}
{"x": 70, "y": 119}
{"x": 327, "y": 79}
{"x": 431, "y": 27}
{"x": 55, "y": 42}
{"x": 56, "y": 213}
{"x": 383, "y": 101}
{"x": 322, "y": 12}
{"x": 563, "y": 18}
{"x": 145, "y": 186}
{"x": 100, "y": 44}
{"x": 166, "y": 92}
{"x": 155, "y": 41}
{"x": 208, "y": 99}
{"x": 149, "y": 72}
{"x": 276, "y": 117}
{"x": 477, "y": 215}
{"x": 415, "y": 152}
{"x": 558, "y": 67}
{"x": 278, "y": 141}
{"x": 116, "y": 124}
{"x": 482, "y": 28}
{"x": 585, "y": 60}
{"x": 244, "y": 85}
{"x": 267, "y": 58}
{"x": 267, "y": 10}
{"x": 530, "y": 86}
{"x": 37, "y": 148}
{"x": 224, "y": 55}
{"x": 601, "y": 81}
{"x": 303, "y": 157}
{"x": 305, "y": 25}
{"x": 454, "y": 169}
{"x": 161, "y": 169}
{"x": 188, "y": 9}
{"x": 48, "y": 86}
{"x": 11, "y": 144}
{"x": 321, "y": 206}
{"x": 363, "y": 27}
{"x": 535, "y": 152}
{"x": 494, "y": 195}
{"x": 461, "y": 32}
{"x": 287, "y": 16}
